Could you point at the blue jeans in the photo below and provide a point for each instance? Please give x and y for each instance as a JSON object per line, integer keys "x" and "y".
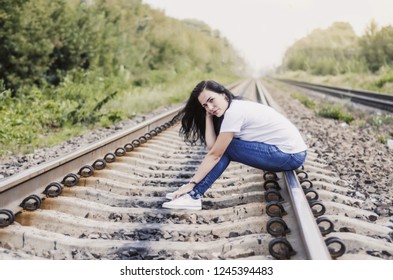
{"x": 255, "y": 154}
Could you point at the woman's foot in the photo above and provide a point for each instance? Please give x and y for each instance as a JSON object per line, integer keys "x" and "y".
{"x": 180, "y": 191}
{"x": 170, "y": 195}
{"x": 184, "y": 202}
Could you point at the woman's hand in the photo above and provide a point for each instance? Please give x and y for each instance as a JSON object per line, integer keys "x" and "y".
{"x": 208, "y": 115}
{"x": 182, "y": 190}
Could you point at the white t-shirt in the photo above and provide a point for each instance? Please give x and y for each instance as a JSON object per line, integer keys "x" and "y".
{"x": 252, "y": 121}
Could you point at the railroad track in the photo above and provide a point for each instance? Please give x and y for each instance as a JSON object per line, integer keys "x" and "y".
{"x": 371, "y": 99}
{"x": 105, "y": 203}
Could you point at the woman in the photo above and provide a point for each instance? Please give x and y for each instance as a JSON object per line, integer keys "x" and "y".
{"x": 233, "y": 129}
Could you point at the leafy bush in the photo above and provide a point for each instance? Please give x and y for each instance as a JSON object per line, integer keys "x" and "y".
{"x": 335, "y": 112}
{"x": 388, "y": 78}
{"x": 309, "y": 103}
{"x": 68, "y": 64}
{"x": 376, "y": 46}
{"x": 324, "y": 66}
{"x": 380, "y": 119}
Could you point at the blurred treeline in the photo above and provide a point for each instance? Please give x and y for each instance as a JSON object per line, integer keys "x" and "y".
{"x": 63, "y": 61}
{"x": 338, "y": 50}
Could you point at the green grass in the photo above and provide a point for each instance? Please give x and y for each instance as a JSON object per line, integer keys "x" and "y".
{"x": 379, "y": 82}
{"x": 387, "y": 78}
{"x": 306, "y": 101}
{"x": 380, "y": 123}
{"x": 39, "y": 121}
{"x": 336, "y": 112}
{"x": 380, "y": 120}
{"x": 326, "y": 110}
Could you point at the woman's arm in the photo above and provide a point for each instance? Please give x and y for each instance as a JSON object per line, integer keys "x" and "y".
{"x": 210, "y": 134}
{"x": 210, "y": 160}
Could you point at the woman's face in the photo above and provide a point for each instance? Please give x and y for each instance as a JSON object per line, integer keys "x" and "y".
{"x": 214, "y": 103}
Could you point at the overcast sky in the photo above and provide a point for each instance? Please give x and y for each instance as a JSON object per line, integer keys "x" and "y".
{"x": 261, "y": 30}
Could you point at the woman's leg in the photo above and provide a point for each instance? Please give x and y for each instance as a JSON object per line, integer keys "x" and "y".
{"x": 263, "y": 156}
{"x": 210, "y": 178}
{"x": 255, "y": 154}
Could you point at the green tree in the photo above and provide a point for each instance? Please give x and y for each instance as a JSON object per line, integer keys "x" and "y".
{"x": 377, "y": 46}
{"x": 10, "y": 22}
{"x": 325, "y": 52}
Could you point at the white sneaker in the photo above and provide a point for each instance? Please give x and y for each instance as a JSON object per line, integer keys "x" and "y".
{"x": 184, "y": 202}
{"x": 169, "y": 195}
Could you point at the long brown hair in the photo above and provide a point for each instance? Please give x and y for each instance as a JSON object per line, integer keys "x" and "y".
{"x": 193, "y": 115}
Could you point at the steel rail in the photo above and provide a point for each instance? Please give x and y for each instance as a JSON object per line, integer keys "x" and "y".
{"x": 34, "y": 181}
{"x": 314, "y": 244}
{"x": 378, "y": 100}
